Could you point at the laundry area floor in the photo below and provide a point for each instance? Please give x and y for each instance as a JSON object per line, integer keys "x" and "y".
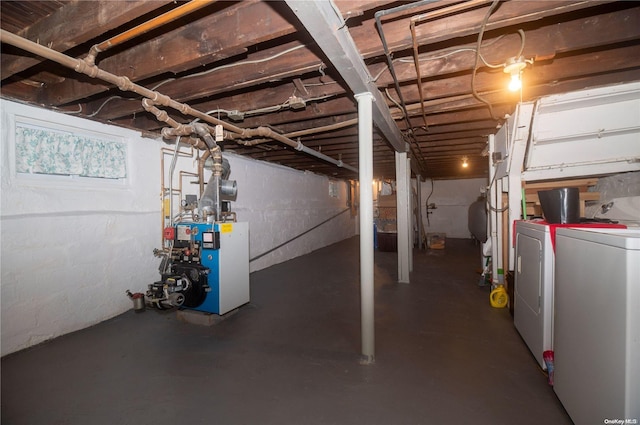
{"x": 291, "y": 356}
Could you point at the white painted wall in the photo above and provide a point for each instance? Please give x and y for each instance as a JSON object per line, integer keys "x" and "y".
{"x": 281, "y": 203}
{"x": 71, "y": 247}
{"x": 452, "y": 199}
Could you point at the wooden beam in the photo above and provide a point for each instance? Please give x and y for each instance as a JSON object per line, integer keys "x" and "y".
{"x": 464, "y": 24}
{"x": 75, "y": 23}
{"x": 200, "y": 43}
{"x": 541, "y": 43}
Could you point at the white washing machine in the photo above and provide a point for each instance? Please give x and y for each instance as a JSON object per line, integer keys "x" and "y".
{"x": 597, "y": 324}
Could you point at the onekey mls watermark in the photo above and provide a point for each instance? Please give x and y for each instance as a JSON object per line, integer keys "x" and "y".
{"x": 621, "y": 421}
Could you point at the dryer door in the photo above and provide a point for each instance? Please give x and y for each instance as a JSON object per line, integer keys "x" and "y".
{"x": 527, "y": 315}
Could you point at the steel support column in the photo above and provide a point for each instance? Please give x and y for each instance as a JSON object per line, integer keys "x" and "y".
{"x": 418, "y": 209}
{"x": 328, "y": 29}
{"x": 365, "y": 135}
{"x": 403, "y": 186}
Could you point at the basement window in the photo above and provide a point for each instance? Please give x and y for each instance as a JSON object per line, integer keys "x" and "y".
{"x": 40, "y": 150}
{"x": 333, "y": 189}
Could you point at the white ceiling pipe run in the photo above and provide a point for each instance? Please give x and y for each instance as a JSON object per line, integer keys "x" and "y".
{"x": 365, "y": 136}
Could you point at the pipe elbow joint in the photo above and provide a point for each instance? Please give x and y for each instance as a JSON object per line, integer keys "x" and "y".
{"x": 147, "y": 104}
{"x": 201, "y": 130}
{"x": 168, "y": 132}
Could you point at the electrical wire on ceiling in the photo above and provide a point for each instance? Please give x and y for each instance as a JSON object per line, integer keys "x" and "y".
{"x": 445, "y": 53}
{"x": 493, "y": 6}
{"x": 209, "y": 71}
{"x": 267, "y": 109}
{"x": 478, "y": 58}
{"x": 97, "y": 111}
{"x": 395, "y": 102}
{"x": 231, "y": 65}
{"x": 409, "y": 133}
{"x": 425, "y": 58}
{"x": 70, "y": 112}
{"x": 258, "y": 111}
{"x": 454, "y": 51}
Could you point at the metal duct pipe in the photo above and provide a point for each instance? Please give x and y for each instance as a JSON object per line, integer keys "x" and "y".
{"x": 210, "y": 200}
{"x": 267, "y": 132}
{"x": 228, "y": 190}
{"x": 263, "y": 132}
{"x": 226, "y": 169}
{"x": 326, "y": 158}
{"x": 151, "y": 24}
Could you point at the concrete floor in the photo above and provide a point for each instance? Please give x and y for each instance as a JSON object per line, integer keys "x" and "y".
{"x": 443, "y": 355}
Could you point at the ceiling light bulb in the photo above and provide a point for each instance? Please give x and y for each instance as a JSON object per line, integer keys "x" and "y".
{"x": 514, "y": 67}
{"x": 516, "y": 83}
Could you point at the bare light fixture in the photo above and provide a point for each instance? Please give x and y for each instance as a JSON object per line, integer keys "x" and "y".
{"x": 514, "y": 67}
{"x": 465, "y": 162}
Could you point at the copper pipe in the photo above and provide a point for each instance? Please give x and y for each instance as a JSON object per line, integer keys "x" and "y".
{"x": 253, "y": 142}
{"x": 246, "y": 133}
{"x": 155, "y": 98}
{"x": 145, "y": 27}
{"x": 122, "y": 82}
{"x": 167, "y": 151}
{"x": 183, "y": 173}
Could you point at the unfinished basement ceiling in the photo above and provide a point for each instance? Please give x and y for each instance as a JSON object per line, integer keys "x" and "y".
{"x": 253, "y": 63}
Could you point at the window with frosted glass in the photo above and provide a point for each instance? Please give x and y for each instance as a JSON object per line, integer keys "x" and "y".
{"x": 49, "y": 151}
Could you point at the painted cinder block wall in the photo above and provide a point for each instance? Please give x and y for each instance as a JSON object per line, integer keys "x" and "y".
{"x": 281, "y": 203}
{"x": 452, "y": 199}
{"x": 70, "y": 249}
